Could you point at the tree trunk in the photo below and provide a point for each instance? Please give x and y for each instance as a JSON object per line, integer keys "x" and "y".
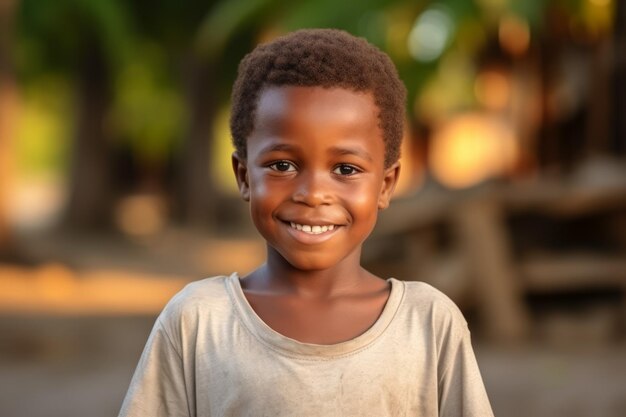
{"x": 619, "y": 115}
{"x": 90, "y": 177}
{"x": 197, "y": 193}
{"x": 8, "y": 116}
{"x": 548, "y": 146}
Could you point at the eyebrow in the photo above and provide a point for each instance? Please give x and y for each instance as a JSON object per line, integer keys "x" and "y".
{"x": 335, "y": 150}
{"x": 277, "y": 147}
{"x": 351, "y": 151}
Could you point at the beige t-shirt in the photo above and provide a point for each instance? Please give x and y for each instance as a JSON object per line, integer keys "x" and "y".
{"x": 209, "y": 354}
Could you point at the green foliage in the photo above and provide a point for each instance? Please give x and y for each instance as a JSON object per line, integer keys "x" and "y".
{"x": 531, "y": 10}
{"x": 43, "y": 133}
{"x": 329, "y": 13}
{"x": 54, "y": 34}
{"x": 223, "y": 21}
{"x": 147, "y": 45}
{"x": 148, "y": 111}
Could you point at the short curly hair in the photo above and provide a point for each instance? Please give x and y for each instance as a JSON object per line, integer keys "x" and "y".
{"x": 326, "y": 58}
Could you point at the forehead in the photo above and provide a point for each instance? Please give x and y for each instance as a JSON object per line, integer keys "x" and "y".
{"x": 276, "y": 101}
{"x": 315, "y": 113}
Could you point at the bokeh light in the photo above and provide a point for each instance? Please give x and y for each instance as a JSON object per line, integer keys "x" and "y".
{"x": 493, "y": 89}
{"x": 514, "y": 35}
{"x": 471, "y": 148}
{"x": 431, "y": 33}
{"x": 116, "y": 185}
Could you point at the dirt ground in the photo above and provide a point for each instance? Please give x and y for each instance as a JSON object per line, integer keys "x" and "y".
{"x": 66, "y": 367}
{"x": 79, "y": 360}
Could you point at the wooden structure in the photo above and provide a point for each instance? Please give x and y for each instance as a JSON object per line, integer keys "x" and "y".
{"x": 490, "y": 275}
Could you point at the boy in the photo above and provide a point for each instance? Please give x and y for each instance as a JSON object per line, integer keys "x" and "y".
{"x": 317, "y": 124}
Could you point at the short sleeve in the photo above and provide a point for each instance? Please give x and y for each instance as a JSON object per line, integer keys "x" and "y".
{"x": 461, "y": 389}
{"x": 158, "y": 387}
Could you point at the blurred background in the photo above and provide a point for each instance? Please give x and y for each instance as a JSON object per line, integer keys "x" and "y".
{"x": 116, "y": 187}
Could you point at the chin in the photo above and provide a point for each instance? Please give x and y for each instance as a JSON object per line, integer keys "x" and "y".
{"x": 310, "y": 262}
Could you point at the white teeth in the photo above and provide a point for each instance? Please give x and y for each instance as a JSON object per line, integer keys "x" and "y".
{"x": 314, "y": 230}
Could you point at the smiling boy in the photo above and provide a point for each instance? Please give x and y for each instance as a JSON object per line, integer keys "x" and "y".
{"x": 317, "y": 125}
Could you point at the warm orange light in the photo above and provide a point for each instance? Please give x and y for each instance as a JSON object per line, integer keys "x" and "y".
{"x": 141, "y": 215}
{"x": 55, "y": 282}
{"x": 471, "y": 148}
{"x": 514, "y": 35}
{"x": 493, "y": 89}
{"x": 56, "y": 289}
{"x": 231, "y": 254}
{"x": 411, "y": 171}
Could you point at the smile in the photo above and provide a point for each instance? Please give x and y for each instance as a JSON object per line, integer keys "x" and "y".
{"x": 312, "y": 229}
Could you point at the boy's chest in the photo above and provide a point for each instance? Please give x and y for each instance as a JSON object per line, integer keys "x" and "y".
{"x": 246, "y": 377}
{"x": 319, "y": 322}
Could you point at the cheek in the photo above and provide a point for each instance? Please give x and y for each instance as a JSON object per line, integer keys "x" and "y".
{"x": 263, "y": 198}
{"x": 261, "y": 190}
{"x": 363, "y": 199}
{"x": 258, "y": 194}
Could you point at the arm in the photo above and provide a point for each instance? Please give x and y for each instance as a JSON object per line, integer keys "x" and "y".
{"x": 158, "y": 386}
{"x": 461, "y": 389}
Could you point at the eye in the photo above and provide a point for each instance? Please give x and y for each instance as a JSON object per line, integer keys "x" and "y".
{"x": 345, "y": 169}
{"x": 282, "y": 166}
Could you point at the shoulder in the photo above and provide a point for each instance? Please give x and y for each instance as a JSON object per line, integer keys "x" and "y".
{"x": 201, "y": 291}
{"x": 428, "y": 302}
{"x": 199, "y": 298}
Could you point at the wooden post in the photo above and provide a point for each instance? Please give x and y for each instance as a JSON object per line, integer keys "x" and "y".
{"x": 483, "y": 239}
{"x": 619, "y": 98}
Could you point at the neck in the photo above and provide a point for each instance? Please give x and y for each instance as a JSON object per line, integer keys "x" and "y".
{"x": 278, "y": 275}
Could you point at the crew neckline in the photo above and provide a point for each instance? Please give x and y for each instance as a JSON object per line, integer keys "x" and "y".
{"x": 286, "y": 345}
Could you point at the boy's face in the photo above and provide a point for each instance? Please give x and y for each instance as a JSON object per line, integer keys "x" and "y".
{"x": 314, "y": 174}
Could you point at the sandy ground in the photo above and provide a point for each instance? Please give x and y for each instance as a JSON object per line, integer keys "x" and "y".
{"x": 65, "y": 367}
{"x": 79, "y": 361}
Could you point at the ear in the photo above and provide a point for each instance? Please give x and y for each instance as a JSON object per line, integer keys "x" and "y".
{"x": 241, "y": 174}
{"x": 390, "y": 178}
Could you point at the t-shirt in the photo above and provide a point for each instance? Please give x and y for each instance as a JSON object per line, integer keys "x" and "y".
{"x": 210, "y": 354}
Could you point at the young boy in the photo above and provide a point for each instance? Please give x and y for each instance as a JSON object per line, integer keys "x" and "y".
{"x": 317, "y": 123}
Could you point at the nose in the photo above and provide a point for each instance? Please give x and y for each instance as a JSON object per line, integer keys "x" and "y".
{"x": 312, "y": 189}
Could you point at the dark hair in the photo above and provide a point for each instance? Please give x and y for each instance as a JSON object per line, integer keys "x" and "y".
{"x": 326, "y": 58}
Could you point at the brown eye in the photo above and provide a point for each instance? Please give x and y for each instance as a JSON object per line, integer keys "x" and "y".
{"x": 282, "y": 166}
{"x": 345, "y": 170}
